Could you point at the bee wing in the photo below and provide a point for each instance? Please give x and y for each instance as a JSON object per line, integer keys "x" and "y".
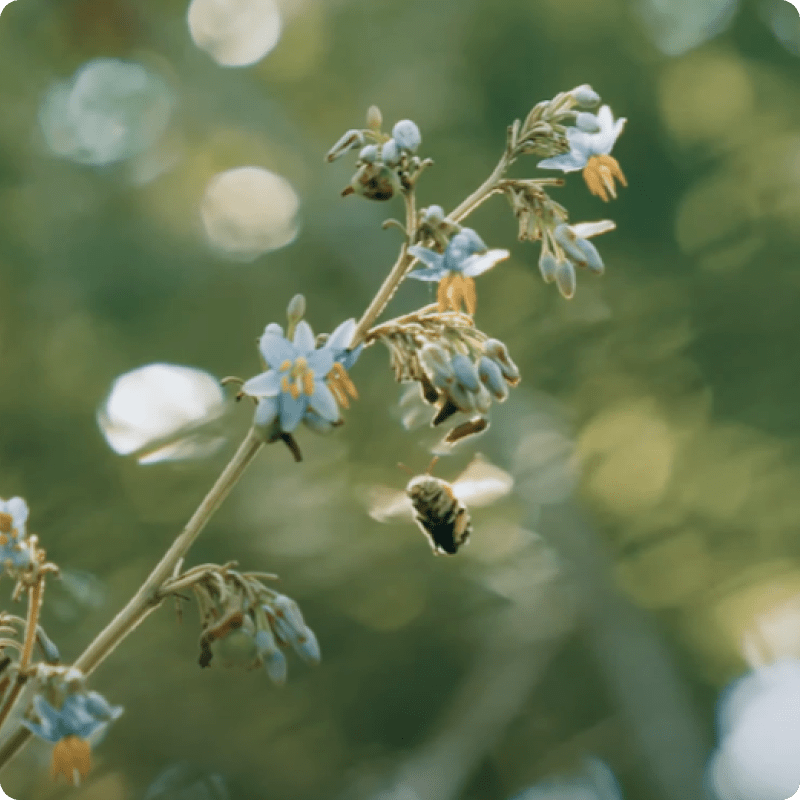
{"x": 482, "y": 483}
{"x": 385, "y": 503}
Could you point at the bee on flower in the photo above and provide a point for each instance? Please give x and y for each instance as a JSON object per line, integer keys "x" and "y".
{"x": 386, "y": 162}
{"x": 591, "y": 141}
{"x": 465, "y": 256}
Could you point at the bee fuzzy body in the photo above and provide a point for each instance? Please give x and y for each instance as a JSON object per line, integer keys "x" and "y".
{"x": 441, "y": 516}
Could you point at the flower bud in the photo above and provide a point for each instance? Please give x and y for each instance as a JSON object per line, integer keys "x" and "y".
{"x": 369, "y": 154}
{"x": 296, "y": 309}
{"x": 374, "y": 118}
{"x": 465, "y": 372}
{"x": 585, "y": 96}
{"x": 436, "y": 363}
{"x": 351, "y": 139}
{"x": 593, "y": 260}
{"x": 492, "y": 377}
{"x": 407, "y": 135}
{"x": 564, "y": 235}
{"x": 498, "y": 353}
{"x": 390, "y": 154}
{"x": 432, "y": 215}
{"x": 587, "y": 122}
{"x": 565, "y": 278}
{"x": 547, "y": 266}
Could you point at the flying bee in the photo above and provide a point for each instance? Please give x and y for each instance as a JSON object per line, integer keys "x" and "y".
{"x": 438, "y": 507}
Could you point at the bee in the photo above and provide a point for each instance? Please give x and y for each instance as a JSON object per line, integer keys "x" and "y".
{"x": 438, "y": 507}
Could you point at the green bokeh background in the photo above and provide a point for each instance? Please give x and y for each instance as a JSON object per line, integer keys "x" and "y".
{"x": 675, "y": 376}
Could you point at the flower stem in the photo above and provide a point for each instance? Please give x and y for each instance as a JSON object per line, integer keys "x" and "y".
{"x": 149, "y": 595}
{"x": 34, "y": 607}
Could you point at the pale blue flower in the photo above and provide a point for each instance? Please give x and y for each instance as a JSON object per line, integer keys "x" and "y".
{"x": 583, "y": 145}
{"x": 465, "y": 256}
{"x": 13, "y": 544}
{"x": 296, "y": 386}
{"x": 81, "y": 715}
{"x": 590, "y": 151}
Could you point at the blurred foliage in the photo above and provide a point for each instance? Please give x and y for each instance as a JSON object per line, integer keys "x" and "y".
{"x": 676, "y": 374}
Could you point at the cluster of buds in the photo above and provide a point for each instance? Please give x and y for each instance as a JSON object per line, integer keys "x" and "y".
{"x": 246, "y": 624}
{"x": 73, "y": 719}
{"x": 543, "y": 132}
{"x": 564, "y": 247}
{"x": 387, "y": 163}
{"x": 458, "y": 368}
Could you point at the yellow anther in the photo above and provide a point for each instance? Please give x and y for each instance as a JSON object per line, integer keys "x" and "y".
{"x": 6, "y": 523}
{"x": 338, "y": 393}
{"x": 285, "y": 365}
{"x": 308, "y": 382}
{"x": 443, "y": 292}
{"x": 294, "y": 391}
{"x": 285, "y": 383}
{"x": 3, "y": 539}
{"x": 72, "y": 758}
{"x": 599, "y": 174}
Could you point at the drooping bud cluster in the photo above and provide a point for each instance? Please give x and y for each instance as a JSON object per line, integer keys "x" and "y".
{"x": 70, "y": 717}
{"x": 564, "y": 247}
{"x": 246, "y": 624}
{"x": 387, "y": 163}
{"x": 458, "y": 368}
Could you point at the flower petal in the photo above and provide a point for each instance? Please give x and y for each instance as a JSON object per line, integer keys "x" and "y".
{"x": 428, "y": 274}
{"x": 266, "y": 411}
{"x": 321, "y": 361}
{"x": 267, "y": 384}
{"x": 588, "y": 229}
{"x": 603, "y": 142}
{"x": 303, "y": 337}
{"x": 291, "y": 410}
{"x": 478, "y": 264}
{"x": 341, "y": 336}
{"x": 316, "y": 423}
{"x": 349, "y": 357}
{"x": 276, "y": 350}
{"x": 429, "y": 257}
{"x": 18, "y": 509}
{"x": 323, "y": 402}
{"x": 566, "y": 162}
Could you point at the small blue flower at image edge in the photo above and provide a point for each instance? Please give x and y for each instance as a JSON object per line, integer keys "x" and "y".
{"x": 73, "y": 728}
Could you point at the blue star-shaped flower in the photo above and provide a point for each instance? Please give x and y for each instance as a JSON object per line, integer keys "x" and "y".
{"x": 590, "y": 151}
{"x": 303, "y": 381}
{"x": 81, "y": 715}
{"x": 465, "y": 256}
